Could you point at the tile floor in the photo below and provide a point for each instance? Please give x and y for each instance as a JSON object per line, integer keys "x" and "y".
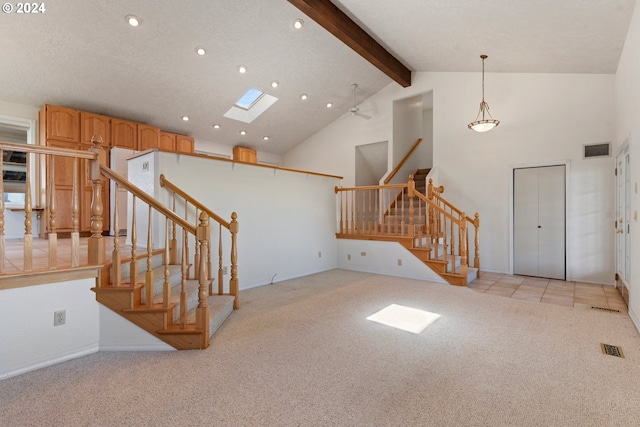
{"x": 549, "y": 291}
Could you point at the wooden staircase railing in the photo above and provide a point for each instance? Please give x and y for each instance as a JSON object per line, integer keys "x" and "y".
{"x": 402, "y": 162}
{"x": 433, "y": 229}
{"x": 139, "y": 302}
{"x": 231, "y": 226}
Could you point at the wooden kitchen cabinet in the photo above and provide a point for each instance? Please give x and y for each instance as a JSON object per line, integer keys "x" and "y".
{"x": 124, "y": 134}
{"x": 167, "y": 141}
{"x": 148, "y": 137}
{"x": 184, "y": 144}
{"x": 243, "y": 154}
{"x": 95, "y": 124}
{"x": 60, "y": 123}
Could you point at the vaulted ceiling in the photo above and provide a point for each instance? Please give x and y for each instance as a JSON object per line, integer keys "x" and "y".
{"x": 82, "y": 54}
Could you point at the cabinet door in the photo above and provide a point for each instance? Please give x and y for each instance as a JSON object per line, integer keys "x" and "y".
{"x": 95, "y": 124}
{"x": 63, "y": 124}
{"x": 63, "y": 187}
{"x": 148, "y": 137}
{"x": 124, "y": 134}
{"x": 184, "y": 144}
{"x": 167, "y": 141}
{"x": 242, "y": 154}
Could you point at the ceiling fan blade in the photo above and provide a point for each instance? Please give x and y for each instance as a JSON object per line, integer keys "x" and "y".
{"x": 364, "y": 116}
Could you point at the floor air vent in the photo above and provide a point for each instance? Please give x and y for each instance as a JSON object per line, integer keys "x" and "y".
{"x": 611, "y": 310}
{"x": 611, "y": 350}
{"x": 597, "y": 150}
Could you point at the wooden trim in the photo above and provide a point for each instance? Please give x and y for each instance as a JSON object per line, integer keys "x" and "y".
{"x": 402, "y": 162}
{"x": 43, "y": 149}
{"x": 34, "y": 278}
{"x": 222, "y": 159}
{"x": 332, "y": 19}
{"x": 147, "y": 199}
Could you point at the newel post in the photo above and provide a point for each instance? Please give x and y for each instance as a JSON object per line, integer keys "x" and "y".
{"x": 463, "y": 246}
{"x": 233, "y": 283}
{"x": 96, "y": 244}
{"x": 202, "y": 311}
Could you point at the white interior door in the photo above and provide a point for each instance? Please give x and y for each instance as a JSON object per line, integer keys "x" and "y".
{"x": 539, "y": 222}
{"x": 622, "y": 216}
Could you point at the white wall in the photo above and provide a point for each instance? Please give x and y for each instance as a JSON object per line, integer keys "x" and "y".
{"x": 476, "y": 169}
{"x": 29, "y": 339}
{"x": 389, "y": 258}
{"x": 627, "y": 109}
{"x": 286, "y": 219}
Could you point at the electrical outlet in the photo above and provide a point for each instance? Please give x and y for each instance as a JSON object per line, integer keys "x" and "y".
{"x": 399, "y": 262}
{"x": 59, "y": 317}
{"x": 224, "y": 270}
{"x": 145, "y": 166}
{"x": 319, "y": 254}
{"x": 363, "y": 254}
{"x": 349, "y": 257}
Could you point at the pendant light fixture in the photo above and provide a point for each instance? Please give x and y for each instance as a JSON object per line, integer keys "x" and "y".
{"x": 484, "y": 124}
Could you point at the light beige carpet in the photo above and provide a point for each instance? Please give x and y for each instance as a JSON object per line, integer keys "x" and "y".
{"x": 301, "y": 353}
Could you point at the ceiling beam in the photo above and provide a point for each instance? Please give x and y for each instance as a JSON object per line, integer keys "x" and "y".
{"x": 327, "y": 15}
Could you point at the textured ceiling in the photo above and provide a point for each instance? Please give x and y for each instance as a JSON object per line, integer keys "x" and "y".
{"x": 82, "y": 54}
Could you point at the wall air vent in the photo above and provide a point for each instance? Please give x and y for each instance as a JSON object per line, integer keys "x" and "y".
{"x": 597, "y": 150}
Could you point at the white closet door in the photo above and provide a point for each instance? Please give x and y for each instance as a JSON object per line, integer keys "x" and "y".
{"x": 539, "y": 222}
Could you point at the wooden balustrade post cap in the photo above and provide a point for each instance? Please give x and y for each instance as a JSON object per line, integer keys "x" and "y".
{"x": 97, "y": 140}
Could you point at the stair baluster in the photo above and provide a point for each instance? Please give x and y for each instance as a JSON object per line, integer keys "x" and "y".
{"x": 183, "y": 282}
{"x": 133, "y": 265}
{"x": 53, "y": 235}
{"x": 148, "y": 283}
{"x": 220, "y": 268}
{"x": 116, "y": 261}
{"x": 233, "y": 283}
{"x": 166, "y": 285}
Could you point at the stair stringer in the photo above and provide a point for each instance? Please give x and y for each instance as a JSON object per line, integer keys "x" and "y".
{"x": 438, "y": 266}
{"x": 157, "y": 320}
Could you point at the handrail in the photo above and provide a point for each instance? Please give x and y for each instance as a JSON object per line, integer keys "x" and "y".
{"x": 439, "y": 208}
{"x": 164, "y": 182}
{"x": 147, "y": 199}
{"x": 42, "y": 149}
{"x": 369, "y": 187}
{"x": 402, "y": 162}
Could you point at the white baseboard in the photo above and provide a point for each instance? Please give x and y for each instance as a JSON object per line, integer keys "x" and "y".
{"x": 136, "y": 347}
{"x": 48, "y": 361}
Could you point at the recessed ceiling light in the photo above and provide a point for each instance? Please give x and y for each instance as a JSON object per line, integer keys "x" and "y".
{"x": 266, "y": 138}
{"x": 185, "y": 118}
{"x": 216, "y": 126}
{"x": 297, "y": 24}
{"x": 200, "y": 51}
{"x": 243, "y": 132}
{"x": 132, "y": 20}
{"x": 303, "y": 96}
{"x": 329, "y": 105}
{"x": 274, "y": 83}
{"x": 242, "y": 69}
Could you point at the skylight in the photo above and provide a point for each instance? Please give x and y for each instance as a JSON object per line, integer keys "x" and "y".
{"x": 249, "y": 98}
